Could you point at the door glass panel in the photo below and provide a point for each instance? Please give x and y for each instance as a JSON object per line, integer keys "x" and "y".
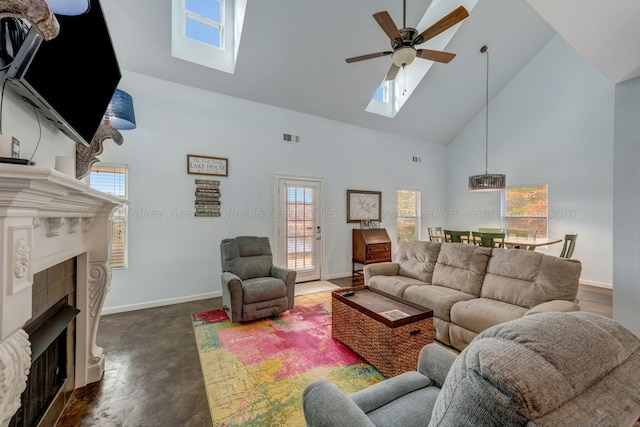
{"x": 301, "y": 229}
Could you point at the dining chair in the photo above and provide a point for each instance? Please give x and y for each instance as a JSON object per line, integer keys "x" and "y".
{"x": 521, "y": 233}
{"x": 455, "y": 236}
{"x": 525, "y": 233}
{"x": 569, "y": 245}
{"x": 488, "y": 240}
{"x": 490, "y": 230}
{"x": 434, "y": 233}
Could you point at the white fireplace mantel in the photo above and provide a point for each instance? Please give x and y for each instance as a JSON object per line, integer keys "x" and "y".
{"x": 46, "y": 218}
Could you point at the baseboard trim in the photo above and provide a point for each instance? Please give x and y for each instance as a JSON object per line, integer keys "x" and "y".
{"x": 596, "y": 284}
{"x": 159, "y": 303}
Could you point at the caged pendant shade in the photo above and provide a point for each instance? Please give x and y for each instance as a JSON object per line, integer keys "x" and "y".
{"x": 487, "y": 181}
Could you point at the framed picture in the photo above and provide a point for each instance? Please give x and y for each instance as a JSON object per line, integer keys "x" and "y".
{"x": 364, "y": 205}
{"x": 205, "y": 165}
{"x": 374, "y": 224}
{"x": 364, "y": 224}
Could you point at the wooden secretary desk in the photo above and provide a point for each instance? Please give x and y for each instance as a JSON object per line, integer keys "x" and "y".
{"x": 369, "y": 246}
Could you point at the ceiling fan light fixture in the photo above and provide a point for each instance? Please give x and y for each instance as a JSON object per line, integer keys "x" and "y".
{"x": 404, "y": 56}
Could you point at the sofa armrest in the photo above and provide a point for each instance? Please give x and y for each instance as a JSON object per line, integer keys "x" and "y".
{"x": 435, "y": 361}
{"x": 289, "y": 278}
{"x": 380, "y": 269}
{"x": 555, "y": 305}
{"x": 324, "y": 405}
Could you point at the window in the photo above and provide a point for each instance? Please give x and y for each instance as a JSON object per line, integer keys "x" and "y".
{"x": 526, "y": 207}
{"x": 112, "y": 179}
{"x": 207, "y": 32}
{"x": 408, "y": 215}
{"x": 204, "y": 21}
{"x": 382, "y": 93}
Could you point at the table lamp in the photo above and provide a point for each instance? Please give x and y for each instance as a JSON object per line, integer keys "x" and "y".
{"x": 119, "y": 116}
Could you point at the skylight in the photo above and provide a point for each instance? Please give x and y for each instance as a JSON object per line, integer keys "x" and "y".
{"x": 400, "y": 89}
{"x": 207, "y": 32}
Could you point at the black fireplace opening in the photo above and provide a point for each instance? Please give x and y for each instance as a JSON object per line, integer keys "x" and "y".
{"x": 48, "y": 335}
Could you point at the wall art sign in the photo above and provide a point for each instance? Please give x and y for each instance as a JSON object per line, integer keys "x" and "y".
{"x": 205, "y": 165}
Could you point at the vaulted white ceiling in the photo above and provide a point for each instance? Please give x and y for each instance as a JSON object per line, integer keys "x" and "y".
{"x": 293, "y": 54}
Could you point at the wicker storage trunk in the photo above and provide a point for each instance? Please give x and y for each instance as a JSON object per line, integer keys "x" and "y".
{"x": 391, "y": 346}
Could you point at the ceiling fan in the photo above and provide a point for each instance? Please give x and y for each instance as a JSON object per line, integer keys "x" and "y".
{"x": 404, "y": 40}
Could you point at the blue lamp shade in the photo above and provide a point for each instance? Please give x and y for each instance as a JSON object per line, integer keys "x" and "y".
{"x": 120, "y": 111}
{"x": 69, "y": 7}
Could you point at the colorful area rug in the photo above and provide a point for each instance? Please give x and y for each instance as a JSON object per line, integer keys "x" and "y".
{"x": 255, "y": 372}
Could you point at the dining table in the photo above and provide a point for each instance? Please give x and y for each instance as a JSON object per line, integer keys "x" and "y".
{"x": 516, "y": 242}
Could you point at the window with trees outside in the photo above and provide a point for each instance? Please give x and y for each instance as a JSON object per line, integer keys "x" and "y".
{"x": 408, "y": 215}
{"x": 526, "y": 207}
{"x": 112, "y": 179}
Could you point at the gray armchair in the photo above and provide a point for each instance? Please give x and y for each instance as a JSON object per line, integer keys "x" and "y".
{"x": 546, "y": 369}
{"x": 252, "y": 287}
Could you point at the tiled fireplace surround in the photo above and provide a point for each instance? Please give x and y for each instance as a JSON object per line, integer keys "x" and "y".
{"x": 47, "y": 218}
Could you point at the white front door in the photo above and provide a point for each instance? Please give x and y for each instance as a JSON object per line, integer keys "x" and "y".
{"x": 298, "y": 227}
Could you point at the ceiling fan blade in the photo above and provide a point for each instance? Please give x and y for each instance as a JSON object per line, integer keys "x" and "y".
{"x": 435, "y": 55}
{"x": 392, "y": 73}
{"x": 368, "y": 56}
{"x": 388, "y": 26}
{"x": 445, "y": 23}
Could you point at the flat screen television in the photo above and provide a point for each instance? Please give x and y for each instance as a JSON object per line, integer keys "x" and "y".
{"x": 72, "y": 77}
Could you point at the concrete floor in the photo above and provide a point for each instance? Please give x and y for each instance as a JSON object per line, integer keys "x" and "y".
{"x": 152, "y": 372}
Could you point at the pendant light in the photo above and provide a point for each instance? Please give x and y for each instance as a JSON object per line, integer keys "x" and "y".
{"x": 487, "y": 181}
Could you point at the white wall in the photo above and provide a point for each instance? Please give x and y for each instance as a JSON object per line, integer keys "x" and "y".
{"x": 174, "y": 256}
{"x": 626, "y": 210}
{"x": 552, "y": 123}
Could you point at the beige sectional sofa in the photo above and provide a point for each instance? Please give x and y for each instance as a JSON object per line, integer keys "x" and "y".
{"x": 470, "y": 288}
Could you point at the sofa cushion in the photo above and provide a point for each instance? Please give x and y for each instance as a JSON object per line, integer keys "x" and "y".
{"x": 247, "y": 256}
{"x": 440, "y": 299}
{"x": 263, "y": 289}
{"x": 528, "y": 278}
{"x": 418, "y": 259}
{"x": 479, "y": 314}
{"x": 552, "y": 365}
{"x": 461, "y": 266}
{"x": 394, "y": 285}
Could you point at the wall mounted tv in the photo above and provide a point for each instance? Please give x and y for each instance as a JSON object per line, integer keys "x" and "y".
{"x": 72, "y": 77}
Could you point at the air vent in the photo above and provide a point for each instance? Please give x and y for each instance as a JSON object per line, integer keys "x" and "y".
{"x": 416, "y": 159}
{"x": 290, "y": 138}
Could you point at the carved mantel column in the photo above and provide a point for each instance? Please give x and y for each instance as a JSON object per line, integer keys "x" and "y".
{"x": 31, "y": 196}
{"x": 15, "y": 362}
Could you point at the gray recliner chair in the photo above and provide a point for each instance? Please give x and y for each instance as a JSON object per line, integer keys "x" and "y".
{"x": 546, "y": 369}
{"x": 252, "y": 287}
